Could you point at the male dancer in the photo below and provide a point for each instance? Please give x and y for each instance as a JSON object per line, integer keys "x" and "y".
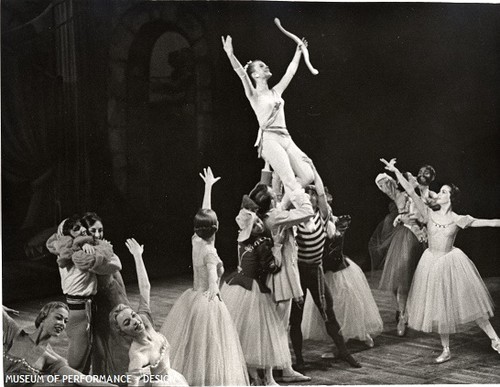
{"x": 79, "y": 286}
{"x": 310, "y": 259}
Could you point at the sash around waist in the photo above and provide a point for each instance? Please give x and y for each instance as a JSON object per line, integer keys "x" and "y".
{"x": 270, "y": 129}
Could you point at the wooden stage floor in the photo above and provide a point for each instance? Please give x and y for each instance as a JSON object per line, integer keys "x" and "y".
{"x": 393, "y": 360}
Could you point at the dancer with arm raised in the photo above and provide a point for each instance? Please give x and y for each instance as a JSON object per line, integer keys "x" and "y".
{"x": 274, "y": 143}
{"x": 447, "y": 290}
{"x": 149, "y": 351}
{"x": 205, "y": 344}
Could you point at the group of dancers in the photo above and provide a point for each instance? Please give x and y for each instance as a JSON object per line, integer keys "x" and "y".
{"x": 290, "y": 245}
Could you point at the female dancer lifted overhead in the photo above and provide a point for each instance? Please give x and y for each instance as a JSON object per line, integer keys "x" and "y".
{"x": 274, "y": 143}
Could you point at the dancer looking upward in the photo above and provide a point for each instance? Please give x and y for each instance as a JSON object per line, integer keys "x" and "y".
{"x": 205, "y": 344}
{"x": 447, "y": 290}
{"x": 274, "y": 143}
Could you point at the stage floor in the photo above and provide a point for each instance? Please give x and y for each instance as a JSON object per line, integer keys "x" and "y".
{"x": 393, "y": 360}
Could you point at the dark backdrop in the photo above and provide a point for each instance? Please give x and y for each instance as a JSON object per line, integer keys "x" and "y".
{"x": 419, "y": 82}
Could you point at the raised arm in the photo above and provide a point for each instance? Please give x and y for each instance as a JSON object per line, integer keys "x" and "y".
{"x": 210, "y": 180}
{"x": 281, "y": 86}
{"x": 419, "y": 203}
{"x": 142, "y": 275}
{"x": 227, "y": 44}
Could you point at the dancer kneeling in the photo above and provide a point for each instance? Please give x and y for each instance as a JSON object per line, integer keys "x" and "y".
{"x": 447, "y": 290}
{"x": 149, "y": 352}
{"x": 264, "y": 339}
{"x": 205, "y": 344}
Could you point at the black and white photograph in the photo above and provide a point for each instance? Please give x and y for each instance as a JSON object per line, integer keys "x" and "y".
{"x": 250, "y": 193}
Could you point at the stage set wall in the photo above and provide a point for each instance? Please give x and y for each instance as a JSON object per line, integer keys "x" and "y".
{"x": 415, "y": 81}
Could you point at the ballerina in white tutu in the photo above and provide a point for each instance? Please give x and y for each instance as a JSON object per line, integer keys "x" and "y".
{"x": 405, "y": 246}
{"x": 149, "y": 362}
{"x": 353, "y": 302}
{"x": 205, "y": 345}
{"x": 263, "y": 337}
{"x": 447, "y": 290}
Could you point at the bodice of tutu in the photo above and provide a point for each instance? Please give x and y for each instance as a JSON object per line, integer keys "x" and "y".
{"x": 441, "y": 237}
{"x": 265, "y": 104}
{"x": 204, "y": 253}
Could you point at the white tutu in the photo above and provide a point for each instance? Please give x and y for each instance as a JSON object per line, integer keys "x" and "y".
{"x": 353, "y": 304}
{"x": 447, "y": 292}
{"x": 264, "y": 339}
{"x": 205, "y": 345}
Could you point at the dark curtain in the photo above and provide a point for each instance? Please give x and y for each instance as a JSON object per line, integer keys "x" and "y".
{"x": 44, "y": 163}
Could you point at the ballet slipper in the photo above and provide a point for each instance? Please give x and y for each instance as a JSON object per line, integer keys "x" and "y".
{"x": 445, "y": 356}
{"x": 289, "y": 375}
{"x": 369, "y": 341}
{"x": 401, "y": 328}
{"x": 348, "y": 359}
{"x": 495, "y": 344}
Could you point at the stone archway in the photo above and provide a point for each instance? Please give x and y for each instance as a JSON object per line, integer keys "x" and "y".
{"x": 139, "y": 106}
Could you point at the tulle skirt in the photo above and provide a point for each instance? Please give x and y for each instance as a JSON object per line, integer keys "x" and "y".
{"x": 447, "y": 292}
{"x": 204, "y": 344}
{"x": 263, "y": 337}
{"x": 353, "y": 303}
{"x": 109, "y": 348}
{"x": 401, "y": 261}
{"x": 380, "y": 240}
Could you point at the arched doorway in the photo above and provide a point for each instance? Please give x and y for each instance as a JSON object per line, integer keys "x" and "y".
{"x": 159, "y": 103}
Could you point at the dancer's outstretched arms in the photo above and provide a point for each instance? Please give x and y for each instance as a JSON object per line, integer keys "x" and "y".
{"x": 210, "y": 180}
{"x": 142, "y": 275}
{"x": 419, "y": 203}
{"x": 227, "y": 44}
{"x": 485, "y": 223}
{"x": 281, "y": 86}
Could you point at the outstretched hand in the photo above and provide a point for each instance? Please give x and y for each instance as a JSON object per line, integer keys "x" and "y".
{"x": 134, "y": 247}
{"x": 227, "y": 44}
{"x": 208, "y": 176}
{"x": 390, "y": 165}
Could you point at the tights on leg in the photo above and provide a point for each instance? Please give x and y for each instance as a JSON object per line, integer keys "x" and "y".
{"x": 401, "y": 299}
{"x": 296, "y": 330}
{"x": 445, "y": 340}
{"x": 309, "y": 278}
{"x": 487, "y": 328}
